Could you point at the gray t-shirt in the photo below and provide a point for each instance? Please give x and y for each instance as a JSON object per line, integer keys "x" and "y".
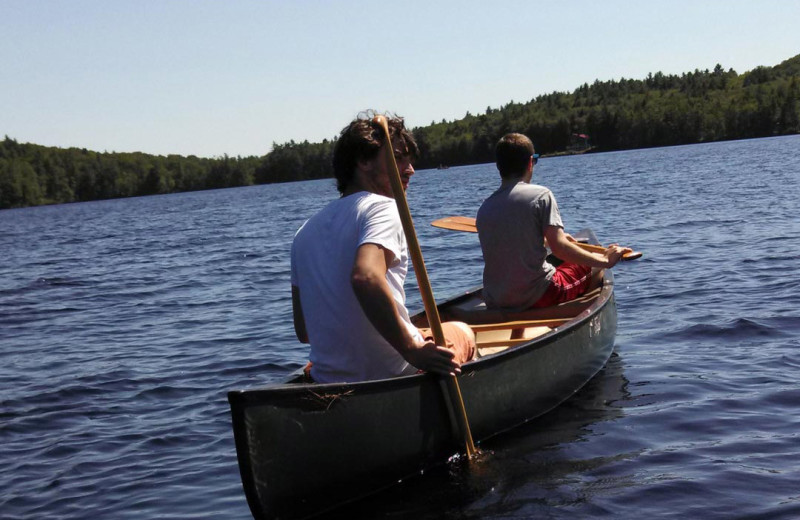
{"x": 511, "y": 224}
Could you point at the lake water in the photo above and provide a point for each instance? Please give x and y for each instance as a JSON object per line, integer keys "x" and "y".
{"x": 124, "y": 323}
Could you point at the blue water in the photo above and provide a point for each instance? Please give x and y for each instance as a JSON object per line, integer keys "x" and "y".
{"x": 124, "y": 323}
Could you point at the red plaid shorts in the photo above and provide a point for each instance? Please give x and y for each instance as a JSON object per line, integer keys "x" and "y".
{"x": 568, "y": 282}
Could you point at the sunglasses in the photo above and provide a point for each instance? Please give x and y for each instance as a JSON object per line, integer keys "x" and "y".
{"x": 535, "y": 158}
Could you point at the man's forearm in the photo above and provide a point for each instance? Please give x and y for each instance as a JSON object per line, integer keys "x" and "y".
{"x": 571, "y": 252}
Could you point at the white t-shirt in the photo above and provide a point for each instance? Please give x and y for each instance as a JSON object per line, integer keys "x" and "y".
{"x": 511, "y": 224}
{"x": 344, "y": 344}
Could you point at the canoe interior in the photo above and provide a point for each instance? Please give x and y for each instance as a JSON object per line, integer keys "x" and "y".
{"x": 304, "y": 449}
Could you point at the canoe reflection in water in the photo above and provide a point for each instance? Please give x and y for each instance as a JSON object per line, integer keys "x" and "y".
{"x": 304, "y": 449}
{"x": 523, "y": 465}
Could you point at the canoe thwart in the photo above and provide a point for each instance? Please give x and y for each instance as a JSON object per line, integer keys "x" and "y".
{"x": 491, "y": 339}
{"x": 511, "y": 325}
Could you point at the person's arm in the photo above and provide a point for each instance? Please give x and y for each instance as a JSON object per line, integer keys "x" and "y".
{"x": 297, "y": 315}
{"x": 368, "y": 279}
{"x": 569, "y": 252}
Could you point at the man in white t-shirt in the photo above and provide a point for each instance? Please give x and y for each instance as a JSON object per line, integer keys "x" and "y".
{"x": 349, "y": 263}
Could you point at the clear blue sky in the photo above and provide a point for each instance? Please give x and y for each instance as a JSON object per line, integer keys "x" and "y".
{"x": 214, "y": 77}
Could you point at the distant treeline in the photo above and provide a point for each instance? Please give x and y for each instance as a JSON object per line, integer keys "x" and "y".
{"x": 660, "y": 110}
{"x": 31, "y": 174}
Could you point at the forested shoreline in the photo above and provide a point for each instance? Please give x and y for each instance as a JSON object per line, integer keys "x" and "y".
{"x": 660, "y": 110}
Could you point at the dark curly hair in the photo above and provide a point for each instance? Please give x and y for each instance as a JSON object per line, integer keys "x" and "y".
{"x": 512, "y": 154}
{"x": 361, "y": 140}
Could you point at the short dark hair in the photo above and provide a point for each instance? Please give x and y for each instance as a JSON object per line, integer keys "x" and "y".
{"x": 512, "y": 153}
{"x": 361, "y": 140}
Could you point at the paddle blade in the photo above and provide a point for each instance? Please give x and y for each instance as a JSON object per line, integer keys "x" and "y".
{"x": 456, "y": 224}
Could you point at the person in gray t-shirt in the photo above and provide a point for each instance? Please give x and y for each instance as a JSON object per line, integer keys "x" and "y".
{"x": 513, "y": 224}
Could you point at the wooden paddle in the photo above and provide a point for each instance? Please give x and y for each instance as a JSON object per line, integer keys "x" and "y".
{"x": 454, "y": 391}
{"x": 468, "y": 224}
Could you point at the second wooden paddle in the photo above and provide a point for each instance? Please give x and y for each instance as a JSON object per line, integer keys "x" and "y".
{"x": 459, "y": 223}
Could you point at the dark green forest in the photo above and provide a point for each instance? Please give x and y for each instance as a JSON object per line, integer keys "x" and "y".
{"x": 659, "y": 110}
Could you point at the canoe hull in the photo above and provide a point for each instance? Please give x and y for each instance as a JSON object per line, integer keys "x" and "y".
{"x": 304, "y": 449}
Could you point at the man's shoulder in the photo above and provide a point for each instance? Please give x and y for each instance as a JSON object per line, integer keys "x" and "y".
{"x": 360, "y": 201}
{"x": 536, "y": 190}
{"x": 520, "y": 193}
{"x": 374, "y": 199}
{"x": 372, "y": 207}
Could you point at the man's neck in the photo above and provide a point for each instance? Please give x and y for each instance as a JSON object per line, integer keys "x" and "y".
{"x": 525, "y": 177}
{"x": 351, "y": 190}
{"x": 359, "y": 182}
{"x": 513, "y": 181}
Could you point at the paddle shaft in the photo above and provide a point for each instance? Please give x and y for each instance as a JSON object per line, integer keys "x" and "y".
{"x": 432, "y": 312}
{"x": 468, "y": 224}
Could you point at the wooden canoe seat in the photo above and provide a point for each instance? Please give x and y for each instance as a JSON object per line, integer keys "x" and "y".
{"x": 497, "y": 339}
